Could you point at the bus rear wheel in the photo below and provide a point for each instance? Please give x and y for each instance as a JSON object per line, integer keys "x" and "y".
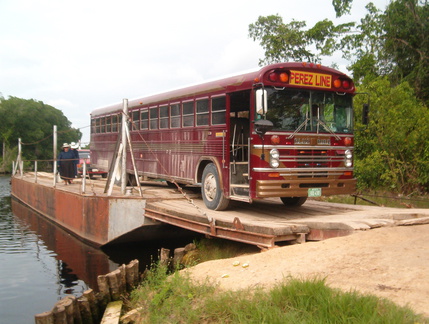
{"x": 211, "y": 190}
{"x": 293, "y": 201}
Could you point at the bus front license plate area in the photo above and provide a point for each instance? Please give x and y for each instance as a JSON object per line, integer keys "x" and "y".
{"x": 314, "y": 192}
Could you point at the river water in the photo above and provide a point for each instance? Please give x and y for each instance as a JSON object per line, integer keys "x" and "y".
{"x": 40, "y": 263}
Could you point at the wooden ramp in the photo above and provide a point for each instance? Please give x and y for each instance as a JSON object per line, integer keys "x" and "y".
{"x": 267, "y": 223}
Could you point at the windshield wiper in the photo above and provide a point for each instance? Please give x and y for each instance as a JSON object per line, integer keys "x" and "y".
{"x": 319, "y": 122}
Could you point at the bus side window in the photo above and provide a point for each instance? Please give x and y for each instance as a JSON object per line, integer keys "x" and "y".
{"x": 175, "y": 116}
{"x": 153, "y": 117}
{"x": 202, "y": 112}
{"x": 188, "y": 114}
{"x": 114, "y": 123}
{"x": 108, "y": 124}
{"x": 135, "y": 120}
{"x": 163, "y": 117}
{"x": 144, "y": 120}
{"x": 218, "y": 110}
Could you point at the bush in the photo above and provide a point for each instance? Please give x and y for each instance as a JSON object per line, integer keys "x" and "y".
{"x": 392, "y": 153}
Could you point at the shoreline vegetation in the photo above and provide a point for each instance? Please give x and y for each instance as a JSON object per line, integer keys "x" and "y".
{"x": 174, "y": 298}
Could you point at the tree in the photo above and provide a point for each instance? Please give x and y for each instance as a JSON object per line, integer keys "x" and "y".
{"x": 33, "y": 121}
{"x": 392, "y": 43}
{"x": 393, "y": 151}
{"x": 284, "y": 42}
{"x": 388, "y": 53}
{"x": 406, "y": 43}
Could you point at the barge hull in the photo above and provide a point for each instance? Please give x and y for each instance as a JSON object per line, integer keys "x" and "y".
{"x": 97, "y": 220}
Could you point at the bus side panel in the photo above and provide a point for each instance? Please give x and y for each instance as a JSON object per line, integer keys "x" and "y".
{"x": 175, "y": 154}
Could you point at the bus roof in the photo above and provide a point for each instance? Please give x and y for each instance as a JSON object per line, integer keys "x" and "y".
{"x": 223, "y": 85}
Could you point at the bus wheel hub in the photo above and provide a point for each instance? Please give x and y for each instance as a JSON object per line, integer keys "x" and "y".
{"x": 210, "y": 187}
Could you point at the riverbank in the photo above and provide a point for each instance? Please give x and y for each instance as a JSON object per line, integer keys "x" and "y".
{"x": 389, "y": 262}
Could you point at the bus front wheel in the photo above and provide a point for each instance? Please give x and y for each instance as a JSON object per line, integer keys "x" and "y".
{"x": 293, "y": 201}
{"x": 211, "y": 190}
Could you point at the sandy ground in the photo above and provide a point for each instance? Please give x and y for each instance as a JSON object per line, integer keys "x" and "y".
{"x": 390, "y": 262}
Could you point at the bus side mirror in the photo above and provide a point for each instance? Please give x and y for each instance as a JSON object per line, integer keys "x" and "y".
{"x": 365, "y": 113}
{"x": 262, "y": 126}
{"x": 261, "y": 101}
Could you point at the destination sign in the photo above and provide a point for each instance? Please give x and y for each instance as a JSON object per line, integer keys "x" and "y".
{"x": 309, "y": 79}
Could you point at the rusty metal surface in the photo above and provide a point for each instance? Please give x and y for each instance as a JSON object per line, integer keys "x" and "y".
{"x": 78, "y": 214}
{"x": 239, "y": 235}
{"x": 263, "y": 223}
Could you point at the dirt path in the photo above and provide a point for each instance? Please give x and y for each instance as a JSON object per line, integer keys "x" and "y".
{"x": 390, "y": 262}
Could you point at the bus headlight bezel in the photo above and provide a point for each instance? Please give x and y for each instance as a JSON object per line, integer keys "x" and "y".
{"x": 274, "y": 158}
{"x": 348, "y": 162}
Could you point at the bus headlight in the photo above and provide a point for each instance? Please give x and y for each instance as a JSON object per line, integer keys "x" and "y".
{"x": 274, "y": 163}
{"x": 274, "y": 154}
{"x": 349, "y": 158}
{"x": 274, "y": 158}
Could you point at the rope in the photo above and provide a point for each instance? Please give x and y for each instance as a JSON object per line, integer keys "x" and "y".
{"x": 50, "y": 135}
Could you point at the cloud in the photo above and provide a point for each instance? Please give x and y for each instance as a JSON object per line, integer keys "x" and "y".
{"x": 81, "y": 55}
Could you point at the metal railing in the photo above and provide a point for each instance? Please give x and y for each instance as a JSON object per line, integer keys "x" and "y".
{"x": 18, "y": 167}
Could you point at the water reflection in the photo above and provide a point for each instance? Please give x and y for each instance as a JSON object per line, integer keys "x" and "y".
{"x": 79, "y": 264}
{"x": 41, "y": 263}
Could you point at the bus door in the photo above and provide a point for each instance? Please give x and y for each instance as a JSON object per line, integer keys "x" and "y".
{"x": 239, "y": 145}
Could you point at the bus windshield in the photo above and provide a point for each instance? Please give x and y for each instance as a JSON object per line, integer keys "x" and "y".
{"x": 309, "y": 111}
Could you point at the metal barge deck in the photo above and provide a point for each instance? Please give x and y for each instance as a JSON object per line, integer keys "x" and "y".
{"x": 99, "y": 219}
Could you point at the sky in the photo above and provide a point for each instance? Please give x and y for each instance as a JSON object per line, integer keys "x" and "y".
{"x": 85, "y": 54}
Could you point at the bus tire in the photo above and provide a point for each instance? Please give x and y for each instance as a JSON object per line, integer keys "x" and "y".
{"x": 211, "y": 190}
{"x": 293, "y": 201}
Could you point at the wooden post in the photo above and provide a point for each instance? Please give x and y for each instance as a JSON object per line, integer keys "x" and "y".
{"x": 60, "y": 316}
{"x": 85, "y": 310}
{"x": 114, "y": 283}
{"x": 77, "y": 319}
{"x": 90, "y": 295}
{"x": 179, "y": 253}
{"x": 45, "y": 318}
{"x": 122, "y": 279}
{"x": 103, "y": 287}
{"x": 164, "y": 257}
{"x": 132, "y": 274}
{"x": 88, "y": 308}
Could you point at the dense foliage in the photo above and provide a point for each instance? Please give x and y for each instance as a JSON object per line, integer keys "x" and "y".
{"x": 389, "y": 59}
{"x": 33, "y": 122}
{"x": 393, "y": 150}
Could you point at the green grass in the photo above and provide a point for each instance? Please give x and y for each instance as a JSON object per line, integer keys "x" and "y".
{"x": 163, "y": 298}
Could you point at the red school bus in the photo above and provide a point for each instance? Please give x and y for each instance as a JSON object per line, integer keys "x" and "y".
{"x": 283, "y": 131}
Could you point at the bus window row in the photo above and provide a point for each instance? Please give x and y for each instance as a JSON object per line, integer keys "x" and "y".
{"x": 106, "y": 124}
{"x": 200, "y": 112}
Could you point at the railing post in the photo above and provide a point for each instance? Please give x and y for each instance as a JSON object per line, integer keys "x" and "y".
{"x": 124, "y": 145}
{"x": 84, "y": 176}
{"x": 19, "y": 160}
{"x": 55, "y": 172}
{"x": 35, "y": 171}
